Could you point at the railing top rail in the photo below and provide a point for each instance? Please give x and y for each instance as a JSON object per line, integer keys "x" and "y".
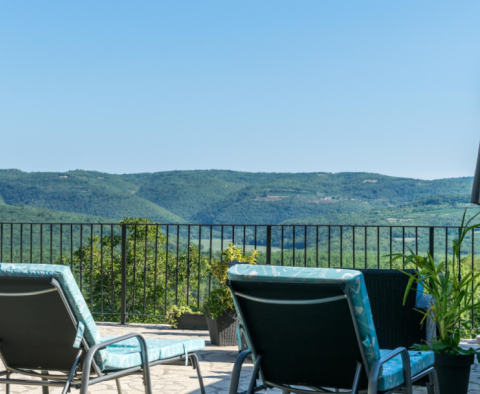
{"x": 229, "y": 225}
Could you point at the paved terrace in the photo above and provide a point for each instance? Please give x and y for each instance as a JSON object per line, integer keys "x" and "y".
{"x": 216, "y": 364}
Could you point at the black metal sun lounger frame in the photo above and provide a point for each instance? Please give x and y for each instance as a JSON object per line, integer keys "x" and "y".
{"x": 335, "y": 300}
{"x": 75, "y": 365}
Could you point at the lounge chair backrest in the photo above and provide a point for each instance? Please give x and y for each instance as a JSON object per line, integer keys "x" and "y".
{"x": 36, "y": 331}
{"x": 69, "y": 287}
{"x": 397, "y": 325}
{"x": 293, "y": 339}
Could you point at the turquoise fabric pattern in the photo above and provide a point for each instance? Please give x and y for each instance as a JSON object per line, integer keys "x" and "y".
{"x": 392, "y": 374}
{"x": 117, "y": 356}
{"x": 79, "y": 336}
{"x": 126, "y": 354}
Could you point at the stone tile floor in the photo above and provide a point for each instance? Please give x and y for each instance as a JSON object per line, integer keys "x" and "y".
{"x": 216, "y": 365}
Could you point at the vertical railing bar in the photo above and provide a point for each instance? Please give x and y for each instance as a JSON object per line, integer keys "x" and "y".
{"x": 459, "y": 272}
{"x": 134, "y": 267}
{"x": 305, "y": 247}
{"x": 473, "y": 251}
{"x": 329, "y": 245}
{"x": 431, "y": 242}
{"x": 31, "y": 243}
{"x": 341, "y": 246}
{"x": 81, "y": 257}
{"x": 221, "y": 243}
{"x": 233, "y": 234}
{"x": 416, "y": 240}
{"x": 112, "y": 282}
{"x": 378, "y": 247}
{"x": 41, "y": 243}
{"x": 61, "y": 243}
{"x": 71, "y": 247}
{"x": 316, "y": 247}
{"x": 51, "y": 243}
{"x": 293, "y": 247}
{"x": 200, "y": 262}
{"x": 176, "y": 271}
{"x": 166, "y": 268}
{"x": 459, "y": 260}
{"x": 210, "y": 255}
{"x": 155, "y": 274}
{"x": 446, "y": 249}
{"x": 21, "y": 243}
{"x": 188, "y": 265}
{"x": 11, "y": 243}
{"x": 366, "y": 248}
{"x": 145, "y": 269}
{"x": 282, "y": 241}
{"x": 1, "y": 242}
{"x": 101, "y": 268}
{"x": 244, "y": 238}
{"x": 403, "y": 246}
{"x": 124, "y": 274}
{"x": 353, "y": 240}
{"x": 391, "y": 245}
{"x": 91, "y": 266}
{"x": 269, "y": 245}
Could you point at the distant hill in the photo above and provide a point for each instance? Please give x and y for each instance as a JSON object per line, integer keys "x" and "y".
{"x": 15, "y": 214}
{"x": 230, "y": 197}
{"x": 91, "y": 193}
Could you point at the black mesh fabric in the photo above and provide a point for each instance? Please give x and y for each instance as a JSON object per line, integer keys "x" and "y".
{"x": 309, "y": 345}
{"x": 36, "y": 332}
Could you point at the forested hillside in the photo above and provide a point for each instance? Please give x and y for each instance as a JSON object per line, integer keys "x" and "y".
{"x": 229, "y": 197}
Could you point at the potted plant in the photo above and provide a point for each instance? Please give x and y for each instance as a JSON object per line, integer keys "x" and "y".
{"x": 186, "y": 318}
{"x": 451, "y": 300}
{"x": 222, "y": 319}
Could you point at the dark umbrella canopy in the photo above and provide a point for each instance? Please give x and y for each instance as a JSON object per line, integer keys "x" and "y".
{"x": 476, "y": 183}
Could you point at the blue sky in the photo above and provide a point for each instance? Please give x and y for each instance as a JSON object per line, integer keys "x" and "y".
{"x": 278, "y": 86}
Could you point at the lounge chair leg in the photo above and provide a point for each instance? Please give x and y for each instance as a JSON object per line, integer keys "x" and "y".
{"x": 237, "y": 368}
{"x": 7, "y": 386}
{"x": 119, "y": 386}
{"x": 356, "y": 379}
{"x": 68, "y": 383}
{"x": 45, "y": 389}
{"x": 256, "y": 369}
{"x": 432, "y": 384}
{"x": 196, "y": 365}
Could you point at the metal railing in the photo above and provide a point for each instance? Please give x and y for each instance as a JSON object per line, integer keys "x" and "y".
{"x": 128, "y": 270}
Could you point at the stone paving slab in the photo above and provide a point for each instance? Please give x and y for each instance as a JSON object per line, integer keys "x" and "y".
{"x": 175, "y": 378}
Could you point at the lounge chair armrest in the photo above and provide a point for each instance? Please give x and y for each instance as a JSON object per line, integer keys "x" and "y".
{"x": 377, "y": 366}
{"x": 87, "y": 363}
{"x": 102, "y": 345}
{"x": 94, "y": 349}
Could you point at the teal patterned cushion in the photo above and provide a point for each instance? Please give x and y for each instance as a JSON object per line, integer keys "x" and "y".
{"x": 392, "y": 373}
{"x": 126, "y": 354}
{"x": 352, "y": 279}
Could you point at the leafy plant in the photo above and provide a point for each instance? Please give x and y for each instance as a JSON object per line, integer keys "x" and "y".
{"x": 153, "y": 283}
{"x": 452, "y": 297}
{"x": 174, "y": 312}
{"x": 220, "y": 300}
